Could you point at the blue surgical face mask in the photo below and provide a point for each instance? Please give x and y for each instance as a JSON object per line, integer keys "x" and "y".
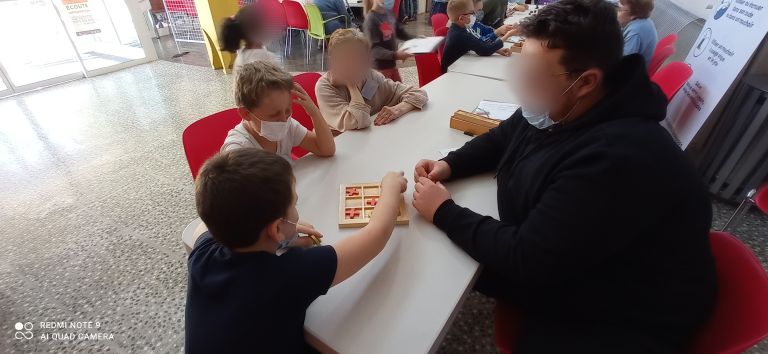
{"x": 539, "y": 117}
{"x": 388, "y": 4}
{"x": 287, "y": 241}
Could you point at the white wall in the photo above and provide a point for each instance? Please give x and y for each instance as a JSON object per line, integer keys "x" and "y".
{"x": 697, "y": 7}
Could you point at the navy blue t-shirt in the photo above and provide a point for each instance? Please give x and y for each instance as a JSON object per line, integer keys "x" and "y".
{"x": 252, "y": 302}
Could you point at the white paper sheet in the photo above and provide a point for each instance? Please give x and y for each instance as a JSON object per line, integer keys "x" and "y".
{"x": 422, "y": 45}
{"x": 496, "y": 110}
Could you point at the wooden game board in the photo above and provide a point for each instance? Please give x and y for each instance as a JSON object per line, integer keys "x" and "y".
{"x": 356, "y": 203}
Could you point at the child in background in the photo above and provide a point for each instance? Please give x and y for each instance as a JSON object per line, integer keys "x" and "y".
{"x": 241, "y": 296}
{"x": 486, "y": 33}
{"x": 263, "y": 96}
{"x": 383, "y": 30}
{"x": 461, "y": 39}
{"x": 246, "y": 26}
{"x": 351, "y": 93}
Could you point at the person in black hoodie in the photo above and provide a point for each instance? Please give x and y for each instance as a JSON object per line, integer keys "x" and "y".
{"x": 602, "y": 241}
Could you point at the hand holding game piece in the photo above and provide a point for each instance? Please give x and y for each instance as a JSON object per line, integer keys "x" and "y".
{"x": 394, "y": 180}
{"x": 428, "y": 196}
{"x": 433, "y": 170}
{"x": 308, "y": 230}
{"x": 504, "y": 51}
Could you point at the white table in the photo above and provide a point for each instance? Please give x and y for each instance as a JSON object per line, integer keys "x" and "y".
{"x": 491, "y": 67}
{"x": 404, "y": 300}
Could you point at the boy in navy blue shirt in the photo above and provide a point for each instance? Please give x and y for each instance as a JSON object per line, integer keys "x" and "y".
{"x": 244, "y": 298}
{"x": 461, "y": 38}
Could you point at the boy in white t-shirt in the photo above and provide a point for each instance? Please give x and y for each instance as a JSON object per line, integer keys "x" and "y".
{"x": 264, "y": 94}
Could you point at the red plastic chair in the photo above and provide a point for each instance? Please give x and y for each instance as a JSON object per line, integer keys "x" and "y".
{"x": 439, "y": 20}
{"x": 658, "y": 58}
{"x": 740, "y": 318}
{"x": 427, "y": 67}
{"x": 203, "y": 138}
{"x": 308, "y": 82}
{"x": 672, "y": 77}
{"x": 667, "y": 41}
{"x": 296, "y": 19}
{"x": 506, "y": 326}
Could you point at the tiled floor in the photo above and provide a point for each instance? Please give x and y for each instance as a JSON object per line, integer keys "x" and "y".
{"x": 96, "y": 191}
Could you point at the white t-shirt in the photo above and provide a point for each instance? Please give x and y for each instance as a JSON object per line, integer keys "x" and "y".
{"x": 245, "y": 56}
{"x": 239, "y": 137}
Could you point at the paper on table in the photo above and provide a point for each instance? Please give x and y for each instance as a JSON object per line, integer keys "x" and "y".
{"x": 444, "y": 152}
{"x": 422, "y": 45}
{"x": 496, "y": 110}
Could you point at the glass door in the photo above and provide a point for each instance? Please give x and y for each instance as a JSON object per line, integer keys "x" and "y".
{"x": 43, "y": 42}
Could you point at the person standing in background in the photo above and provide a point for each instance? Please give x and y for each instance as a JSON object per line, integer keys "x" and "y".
{"x": 246, "y": 27}
{"x": 639, "y": 30}
{"x": 383, "y": 30}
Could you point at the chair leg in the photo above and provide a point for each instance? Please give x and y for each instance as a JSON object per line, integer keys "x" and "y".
{"x": 287, "y": 36}
{"x": 322, "y": 58}
{"x": 740, "y": 211}
{"x": 306, "y": 45}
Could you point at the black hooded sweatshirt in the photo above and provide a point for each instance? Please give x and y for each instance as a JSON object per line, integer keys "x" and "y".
{"x": 602, "y": 240}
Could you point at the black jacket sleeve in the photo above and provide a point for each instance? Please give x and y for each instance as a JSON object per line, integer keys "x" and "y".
{"x": 483, "y": 48}
{"x": 572, "y": 227}
{"x": 482, "y": 154}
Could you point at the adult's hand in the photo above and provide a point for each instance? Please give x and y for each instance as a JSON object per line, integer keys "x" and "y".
{"x": 428, "y": 196}
{"x": 435, "y": 171}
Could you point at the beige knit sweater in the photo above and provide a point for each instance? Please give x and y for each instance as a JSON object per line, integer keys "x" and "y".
{"x": 342, "y": 114}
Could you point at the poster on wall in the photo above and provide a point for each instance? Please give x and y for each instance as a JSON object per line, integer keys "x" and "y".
{"x": 81, "y": 17}
{"x": 726, "y": 43}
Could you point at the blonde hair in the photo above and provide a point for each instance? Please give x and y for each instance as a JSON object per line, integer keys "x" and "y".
{"x": 257, "y": 78}
{"x": 347, "y": 35}
{"x": 457, "y": 8}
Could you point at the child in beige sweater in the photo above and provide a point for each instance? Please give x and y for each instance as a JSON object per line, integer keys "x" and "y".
{"x": 351, "y": 92}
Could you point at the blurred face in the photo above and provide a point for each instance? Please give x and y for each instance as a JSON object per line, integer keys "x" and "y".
{"x": 623, "y": 13}
{"x": 478, "y": 6}
{"x": 542, "y": 83}
{"x": 349, "y": 62}
{"x": 275, "y": 107}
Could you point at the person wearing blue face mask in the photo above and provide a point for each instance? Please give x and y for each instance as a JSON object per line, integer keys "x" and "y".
{"x": 383, "y": 30}
{"x": 487, "y": 33}
{"x": 602, "y": 236}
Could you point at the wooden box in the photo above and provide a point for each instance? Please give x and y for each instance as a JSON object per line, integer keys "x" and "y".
{"x": 472, "y": 124}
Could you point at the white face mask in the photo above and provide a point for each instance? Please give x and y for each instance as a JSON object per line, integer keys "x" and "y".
{"x": 272, "y": 131}
{"x": 536, "y": 112}
{"x": 287, "y": 241}
{"x": 472, "y": 20}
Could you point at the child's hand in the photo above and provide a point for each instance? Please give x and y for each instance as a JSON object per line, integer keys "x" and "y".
{"x": 301, "y": 97}
{"x": 394, "y": 181}
{"x": 387, "y": 114}
{"x": 402, "y": 55}
{"x": 428, "y": 196}
{"x": 504, "y": 51}
{"x": 503, "y": 29}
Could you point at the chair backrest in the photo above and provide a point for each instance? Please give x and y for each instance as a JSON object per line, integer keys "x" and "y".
{"x": 667, "y": 41}
{"x": 274, "y": 14}
{"x": 307, "y": 81}
{"x": 203, "y": 138}
{"x": 316, "y": 25}
{"x": 439, "y": 20}
{"x": 658, "y": 58}
{"x": 672, "y": 77}
{"x": 427, "y": 67}
{"x": 761, "y": 198}
{"x": 295, "y": 15}
{"x": 740, "y": 317}
{"x": 442, "y": 31}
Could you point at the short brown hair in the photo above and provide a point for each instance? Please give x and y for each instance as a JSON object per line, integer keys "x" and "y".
{"x": 255, "y": 79}
{"x": 456, "y": 8}
{"x": 241, "y": 191}
{"x": 347, "y": 35}
{"x": 639, "y": 8}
